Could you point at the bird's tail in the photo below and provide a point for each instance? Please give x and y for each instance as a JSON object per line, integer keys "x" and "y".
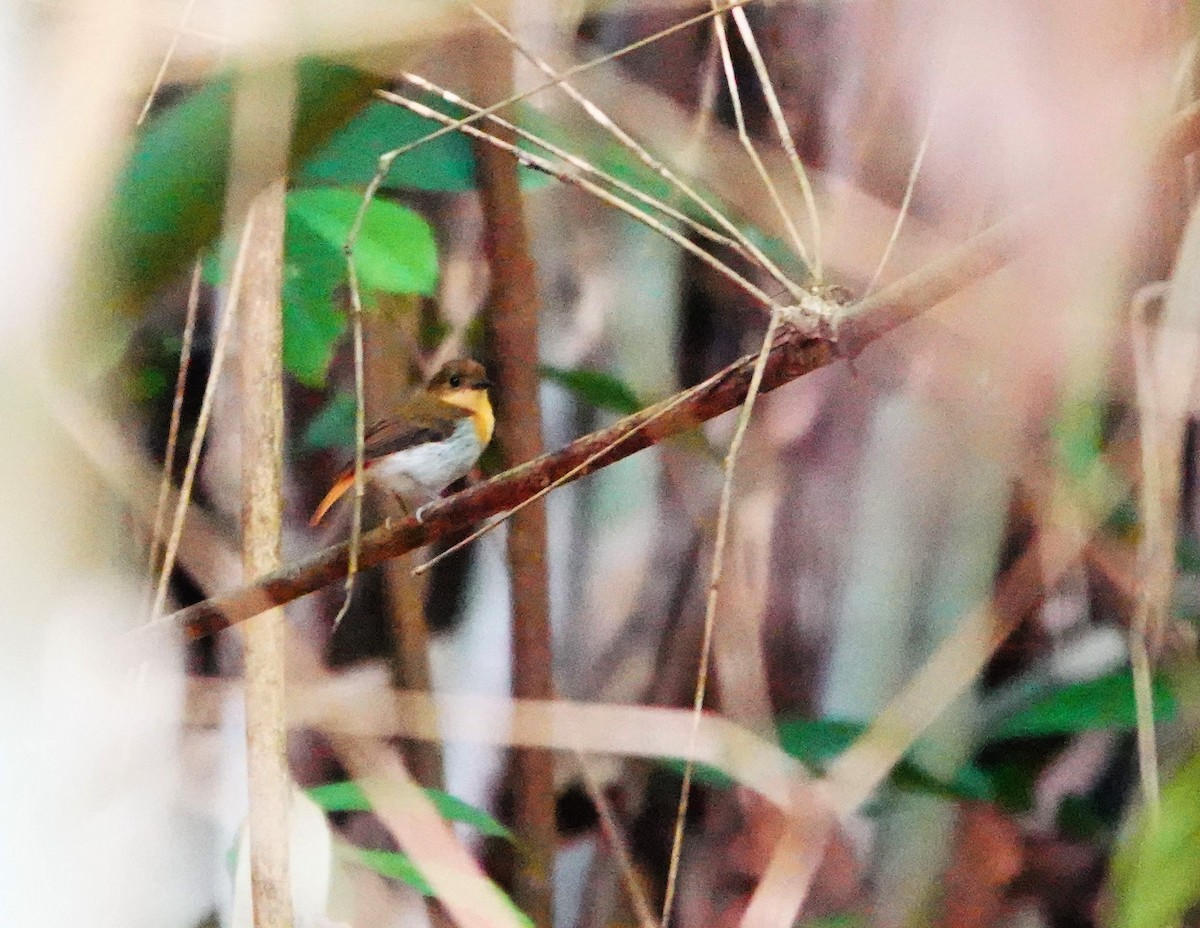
{"x": 340, "y": 486}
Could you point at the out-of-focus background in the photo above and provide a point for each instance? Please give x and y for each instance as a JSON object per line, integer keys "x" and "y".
{"x": 948, "y": 675}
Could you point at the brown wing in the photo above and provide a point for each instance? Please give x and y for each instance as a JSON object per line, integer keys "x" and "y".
{"x": 390, "y": 435}
{"x": 423, "y": 419}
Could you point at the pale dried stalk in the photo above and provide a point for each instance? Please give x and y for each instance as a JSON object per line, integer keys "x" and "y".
{"x": 185, "y": 359}
{"x": 744, "y": 137}
{"x": 260, "y": 132}
{"x": 710, "y": 611}
{"x": 744, "y": 245}
{"x": 541, "y": 164}
{"x": 264, "y": 641}
{"x": 1157, "y": 534}
{"x": 450, "y": 125}
{"x": 210, "y": 388}
{"x": 785, "y": 136}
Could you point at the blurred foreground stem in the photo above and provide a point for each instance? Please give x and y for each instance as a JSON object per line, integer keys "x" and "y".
{"x": 262, "y": 120}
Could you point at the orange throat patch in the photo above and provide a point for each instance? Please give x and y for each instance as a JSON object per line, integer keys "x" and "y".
{"x": 475, "y": 402}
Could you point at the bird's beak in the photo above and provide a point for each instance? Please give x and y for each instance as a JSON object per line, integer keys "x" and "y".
{"x": 484, "y": 384}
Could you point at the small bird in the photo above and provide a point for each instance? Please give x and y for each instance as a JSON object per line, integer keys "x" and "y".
{"x": 434, "y": 439}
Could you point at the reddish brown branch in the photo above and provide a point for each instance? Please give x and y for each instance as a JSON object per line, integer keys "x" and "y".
{"x": 792, "y": 356}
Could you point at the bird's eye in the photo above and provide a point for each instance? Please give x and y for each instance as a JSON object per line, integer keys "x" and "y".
{"x": 455, "y": 381}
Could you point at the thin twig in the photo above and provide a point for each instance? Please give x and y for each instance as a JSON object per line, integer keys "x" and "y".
{"x": 611, "y": 830}
{"x": 710, "y": 611}
{"x": 744, "y": 244}
{"x": 785, "y": 137}
{"x": 185, "y": 359}
{"x": 539, "y": 163}
{"x": 909, "y": 188}
{"x": 764, "y": 175}
{"x": 388, "y": 158}
{"x": 229, "y": 310}
{"x": 166, "y": 62}
{"x": 360, "y": 428}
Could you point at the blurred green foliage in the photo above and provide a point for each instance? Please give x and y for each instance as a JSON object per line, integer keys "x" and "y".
{"x": 596, "y": 388}
{"x": 169, "y": 199}
{"x": 348, "y": 796}
{"x": 1153, "y": 877}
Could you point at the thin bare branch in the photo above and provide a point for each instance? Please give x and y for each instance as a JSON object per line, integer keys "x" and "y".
{"x": 743, "y": 245}
{"x": 902, "y": 213}
{"x": 744, "y": 137}
{"x": 185, "y": 360}
{"x": 539, "y": 163}
{"x": 210, "y": 388}
{"x": 360, "y": 428}
{"x": 785, "y": 137}
{"x": 714, "y": 586}
{"x": 794, "y": 354}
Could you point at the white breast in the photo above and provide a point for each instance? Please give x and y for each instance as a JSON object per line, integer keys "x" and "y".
{"x": 420, "y": 474}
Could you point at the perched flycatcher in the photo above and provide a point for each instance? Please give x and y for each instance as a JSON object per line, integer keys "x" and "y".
{"x": 434, "y": 439}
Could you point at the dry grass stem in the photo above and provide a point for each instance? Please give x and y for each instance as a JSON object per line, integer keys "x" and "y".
{"x": 710, "y": 610}
{"x": 360, "y": 428}
{"x": 228, "y": 312}
{"x": 185, "y": 358}
{"x": 743, "y": 244}
{"x": 785, "y": 136}
{"x": 748, "y": 144}
{"x": 905, "y": 202}
{"x": 1157, "y": 536}
{"x": 176, "y": 35}
{"x": 538, "y": 163}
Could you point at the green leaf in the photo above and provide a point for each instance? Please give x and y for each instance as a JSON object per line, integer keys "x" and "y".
{"x": 1153, "y": 877}
{"x": 169, "y": 198}
{"x": 817, "y": 743}
{"x": 1106, "y": 702}
{"x": 344, "y": 796}
{"x": 348, "y": 796}
{"x": 836, "y": 921}
{"x": 398, "y": 866}
{"x": 395, "y": 866}
{"x": 701, "y": 773}
{"x": 313, "y": 322}
{"x": 446, "y": 164}
{"x": 595, "y": 387}
{"x": 454, "y": 809}
{"x": 333, "y": 427}
{"x": 395, "y": 251}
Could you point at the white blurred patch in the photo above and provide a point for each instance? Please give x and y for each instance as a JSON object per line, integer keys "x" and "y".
{"x": 89, "y": 776}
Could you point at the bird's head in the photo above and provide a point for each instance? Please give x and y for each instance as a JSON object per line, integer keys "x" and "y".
{"x": 459, "y": 381}
{"x": 464, "y": 383}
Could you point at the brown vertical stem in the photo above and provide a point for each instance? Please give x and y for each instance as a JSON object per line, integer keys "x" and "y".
{"x": 513, "y": 336}
{"x": 262, "y": 121}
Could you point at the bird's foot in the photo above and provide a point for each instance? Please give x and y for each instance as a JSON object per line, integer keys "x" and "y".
{"x": 419, "y": 515}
